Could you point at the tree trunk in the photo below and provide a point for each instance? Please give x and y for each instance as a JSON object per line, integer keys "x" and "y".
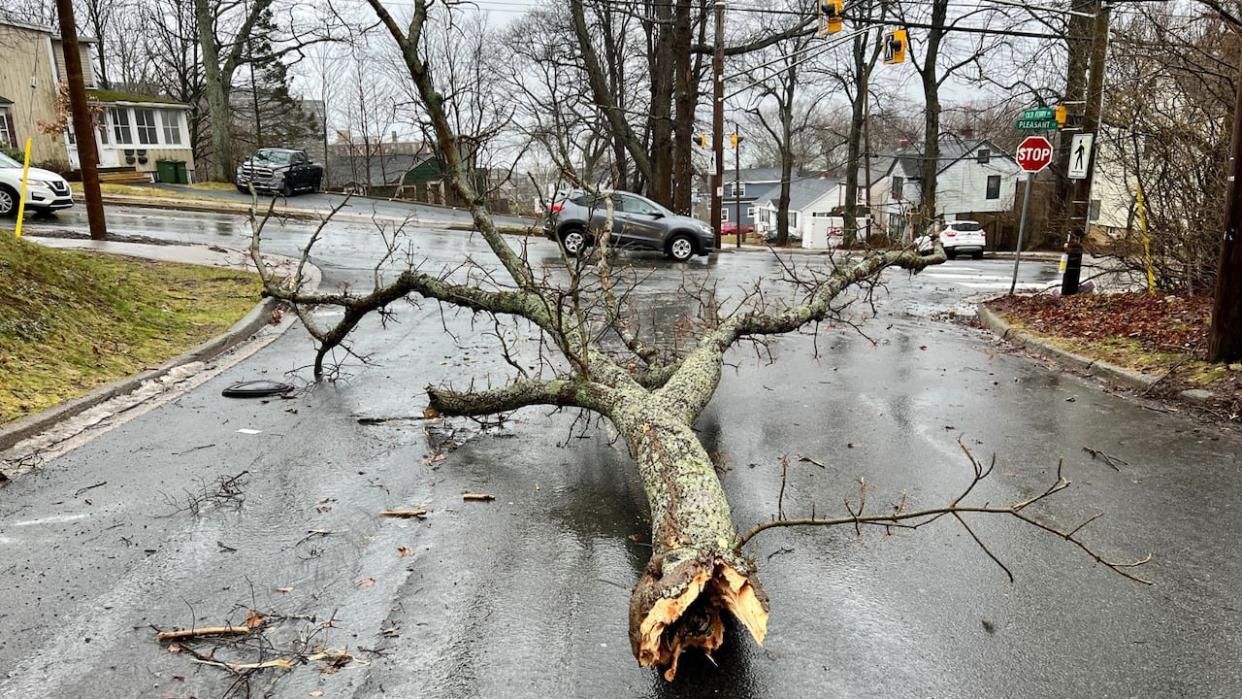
{"x": 694, "y": 573}
{"x": 685, "y": 99}
{"x": 662, "y": 64}
{"x": 931, "y": 115}
{"x": 216, "y": 89}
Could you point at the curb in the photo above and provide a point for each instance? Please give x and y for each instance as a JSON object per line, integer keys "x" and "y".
{"x": 31, "y": 425}
{"x": 230, "y": 207}
{"x": 1092, "y": 367}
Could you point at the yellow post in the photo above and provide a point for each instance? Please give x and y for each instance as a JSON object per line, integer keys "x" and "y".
{"x": 21, "y": 202}
{"x": 1142, "y": 216}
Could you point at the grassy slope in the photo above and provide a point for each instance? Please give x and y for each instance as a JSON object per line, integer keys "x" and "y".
{"x": 71, "y": 321}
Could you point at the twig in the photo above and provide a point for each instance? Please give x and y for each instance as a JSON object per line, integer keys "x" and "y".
{"x": 1108, "y": 459}
{"x": 405, "y": 514}
{"x": 204, "y": 631}
{"x": 79, "y": 491}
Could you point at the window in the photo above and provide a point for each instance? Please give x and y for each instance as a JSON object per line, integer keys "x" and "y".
{"x": 724, "y": 214}
{"x": 634, "y": 205}
{"x": 993, "y": 186}
{"x": 172, "y": 126}
{"x": 898, "y": 185}
{"x": 1093, "y": 211}
{"x": 148, "y": 134}
{"x": 821, "y": 214}
{"x": 984, "y": 156}
{"x": 73, "y": 140}
{"x": 120, "y": 125}
{"x": 8, "y": 136}
{"x": 750, "y": 213}
{"x": 793, "y": 219}
{"x": 736, "y": 189}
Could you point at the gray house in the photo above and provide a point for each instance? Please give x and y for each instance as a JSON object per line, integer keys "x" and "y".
{"x": 742, "y": 193}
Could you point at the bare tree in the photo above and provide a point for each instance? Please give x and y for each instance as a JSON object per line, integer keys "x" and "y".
{"x": 593, "y": 358}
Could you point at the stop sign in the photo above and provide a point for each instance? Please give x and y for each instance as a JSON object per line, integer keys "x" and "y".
{"x": 1034, "y": 154}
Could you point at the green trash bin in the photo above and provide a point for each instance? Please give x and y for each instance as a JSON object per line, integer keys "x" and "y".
{"x": 166, "y": 171}
{"x": 183, "y": 177}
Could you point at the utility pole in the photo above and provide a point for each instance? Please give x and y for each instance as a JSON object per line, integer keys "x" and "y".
{"x": 737, "y": 181}
{"x": 717, "y": 120}
{"x": 83, "y": 128}
{"x": 1225, "y": 334}
{"x": 1080, "y": 193}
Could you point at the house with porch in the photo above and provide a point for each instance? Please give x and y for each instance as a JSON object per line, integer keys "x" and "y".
{"x": 745, "y": 189}
{"x": 810, "y": 198}
{"x": 133, "y": 131}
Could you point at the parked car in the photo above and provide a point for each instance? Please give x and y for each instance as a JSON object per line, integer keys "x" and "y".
{"x": 730, "y": 228}
{"x": 638, "y": 223}
{"x": 45, "y": 190}
{"x": 957, "y": 237}
{"x": 279, "y": 170}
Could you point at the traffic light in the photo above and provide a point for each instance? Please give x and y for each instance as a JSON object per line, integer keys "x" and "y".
{"x": 830, "y": 16}
{"x": 895, "y": 44}
{"x": 700, "y": 140}
{"x": 1059, "y": 115}
{"x": 734, "y": 139}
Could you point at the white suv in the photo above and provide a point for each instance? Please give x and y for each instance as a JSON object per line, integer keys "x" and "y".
{"x": 45, "y": 191}
{"x": 957, "y": 237}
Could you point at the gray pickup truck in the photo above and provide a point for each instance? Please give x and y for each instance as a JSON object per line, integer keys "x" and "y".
{"x": 638, "y": 223}
{"x": 279, "y": 170}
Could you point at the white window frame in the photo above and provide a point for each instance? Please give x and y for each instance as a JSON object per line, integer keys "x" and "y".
{"x": 117, "y": 130}
{"x": 171, "y": 131}
{"x": 750, "y": 213}
{"x": 724, "y": 214}
{"x": 151, "y": 128}
{"x": 6, "y": 118}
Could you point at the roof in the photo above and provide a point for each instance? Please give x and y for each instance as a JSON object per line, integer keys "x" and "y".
{"x": 116, "y": 96}
{"x": 5, "y": 100}
{"x": 804, "y": 192}
{"x": 952, "y": 149}
{"x": 754, "y": 174}
{"x": 44, "y": 30}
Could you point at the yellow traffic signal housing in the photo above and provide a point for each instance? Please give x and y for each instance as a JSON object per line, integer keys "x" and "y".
{"x": 1059, "y": 114}
{"x": 896, "y": 44}
{"x": 831, "y": 16}
{"x": 700, "y": 140}
{"x": 734, "y": 139}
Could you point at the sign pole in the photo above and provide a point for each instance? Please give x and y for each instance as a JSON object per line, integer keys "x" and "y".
{"x": 1017, "y": 251}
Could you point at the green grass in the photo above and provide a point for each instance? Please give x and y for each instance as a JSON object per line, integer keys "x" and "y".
{"x": 139, "y": 190}
{"x": 72, "y": 321}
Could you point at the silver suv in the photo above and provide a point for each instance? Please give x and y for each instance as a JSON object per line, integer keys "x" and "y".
{"x": 637, "y": 223}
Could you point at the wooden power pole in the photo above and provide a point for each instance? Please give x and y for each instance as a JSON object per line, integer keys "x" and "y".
{"x": 83, "y": 128}
{"x": 1080, "y": 192}
{"x": 1225, "y": 335}
{"x": 717, "y": 121}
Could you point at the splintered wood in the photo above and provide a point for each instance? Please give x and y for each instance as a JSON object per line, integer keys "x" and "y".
{"x": 692, "y": 619}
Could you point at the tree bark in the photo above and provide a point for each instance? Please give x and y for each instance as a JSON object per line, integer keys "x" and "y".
{"x": 931, "y": 114}
{"x": 217, "y": 93}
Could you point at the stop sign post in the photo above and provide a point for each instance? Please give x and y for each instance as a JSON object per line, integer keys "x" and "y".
{"x": 1034, "y": 154}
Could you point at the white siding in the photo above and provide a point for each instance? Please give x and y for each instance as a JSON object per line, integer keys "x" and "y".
{"x": 962, "y": 187}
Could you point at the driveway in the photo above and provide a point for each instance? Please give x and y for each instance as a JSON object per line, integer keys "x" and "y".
{"x": 527, "y": 596}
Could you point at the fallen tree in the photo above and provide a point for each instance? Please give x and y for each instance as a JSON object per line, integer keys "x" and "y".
{"x": 598, "y": 360}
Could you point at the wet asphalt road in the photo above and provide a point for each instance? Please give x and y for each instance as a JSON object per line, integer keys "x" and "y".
{"x": 527, "y": 596}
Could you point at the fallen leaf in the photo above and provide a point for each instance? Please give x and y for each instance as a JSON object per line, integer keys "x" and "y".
{"x": 175, "y": 648}
{"x": 365, "y": 582}
{"x": 477, "y": 497}
{"x": 403, "y": 551}
{"x": 254, "y": 620}
{"x": 178, "y": 678}
{"x": 852, "y": 445}
{"x": 315, "y": 693}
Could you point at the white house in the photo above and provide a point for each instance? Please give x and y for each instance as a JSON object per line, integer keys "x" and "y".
{"x": 809, "y": 198}
{"x": 137, "y": 131}
{"x": 974, "y": 179}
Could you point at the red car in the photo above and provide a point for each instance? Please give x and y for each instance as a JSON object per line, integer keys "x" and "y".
{"x": 730, "y": 228}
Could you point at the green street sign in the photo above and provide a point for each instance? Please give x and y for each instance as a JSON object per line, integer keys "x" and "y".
{"x": 1038, "y": 114}
{"x": 1049, "y": 124}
